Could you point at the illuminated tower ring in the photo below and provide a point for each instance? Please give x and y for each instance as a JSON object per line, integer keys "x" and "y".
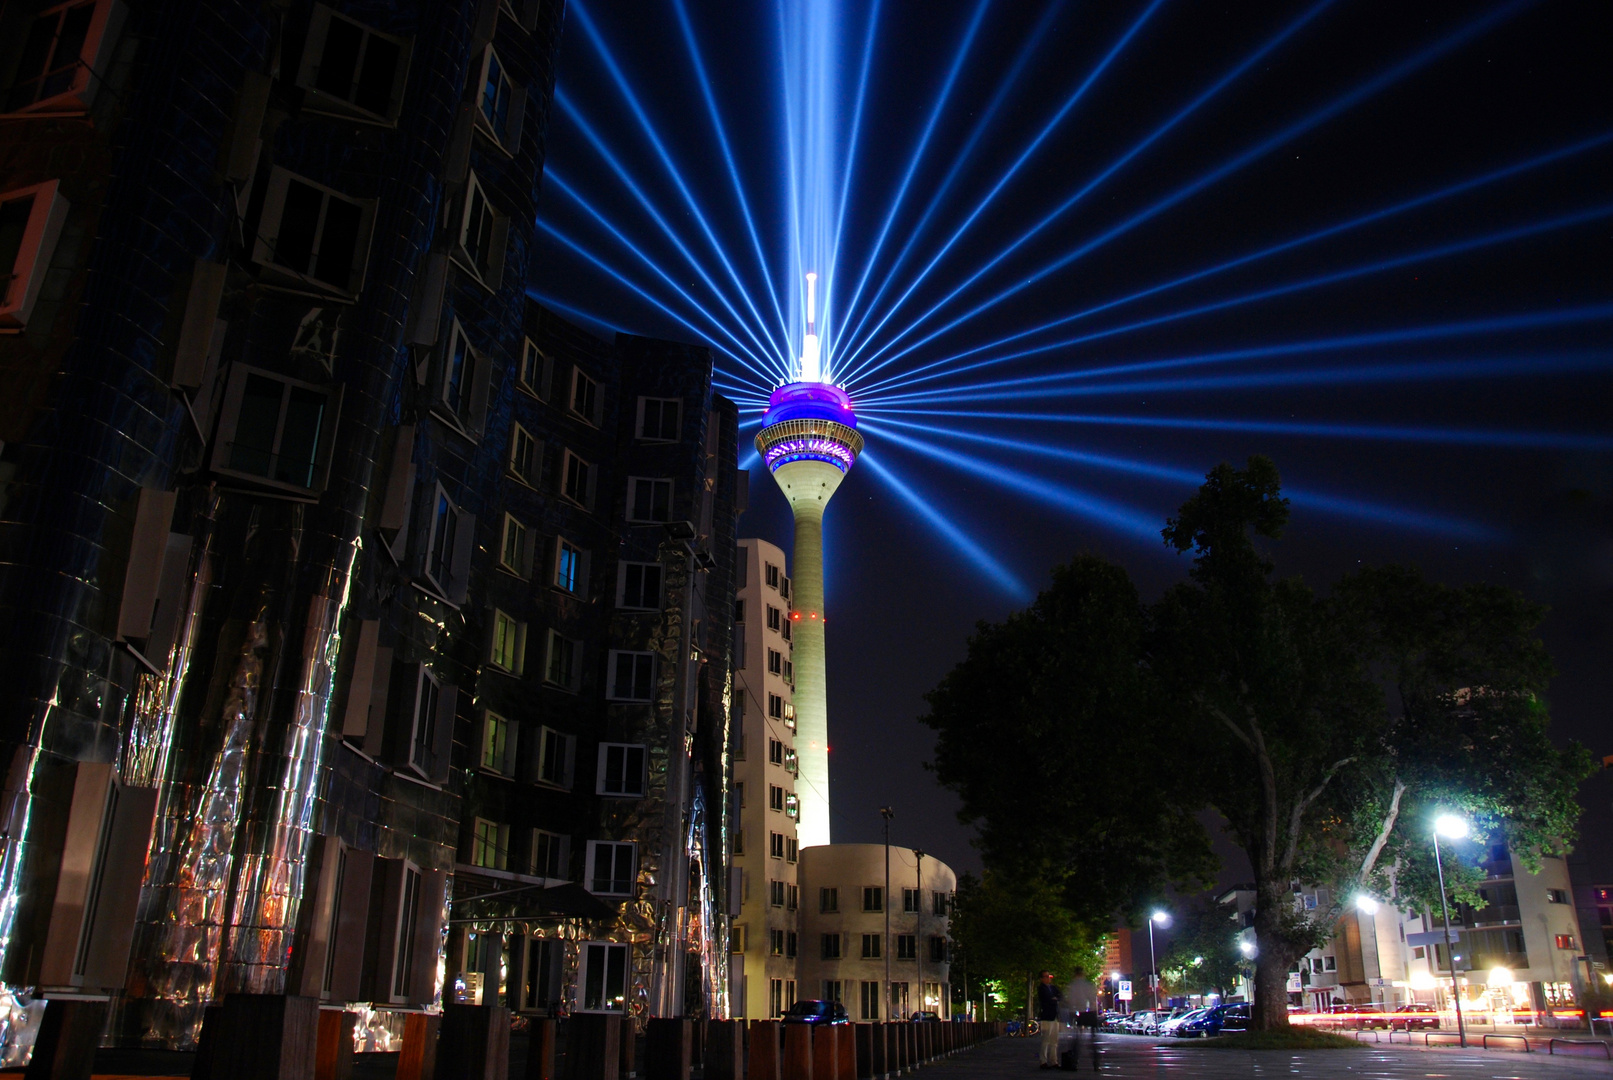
{"x": 809, "y": 441}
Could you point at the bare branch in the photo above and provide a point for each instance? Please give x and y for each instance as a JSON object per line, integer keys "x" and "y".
{"x": 1389, "y": 819}
{"x": 1302, "y": 805}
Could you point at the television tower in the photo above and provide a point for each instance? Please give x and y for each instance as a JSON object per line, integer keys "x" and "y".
{"x": 809, "y": 442}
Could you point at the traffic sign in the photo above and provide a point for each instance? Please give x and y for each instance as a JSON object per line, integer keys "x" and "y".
{"x": 1125, "y": 989}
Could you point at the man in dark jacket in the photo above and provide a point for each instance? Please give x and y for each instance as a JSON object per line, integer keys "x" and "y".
{"x": 1048, "y": 1000}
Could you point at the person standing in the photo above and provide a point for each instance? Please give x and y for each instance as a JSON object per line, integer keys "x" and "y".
{"x": 1081, "y": 998}
{"x": 1048, "y": 1000}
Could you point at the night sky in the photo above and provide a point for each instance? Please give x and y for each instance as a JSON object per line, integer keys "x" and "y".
{"x": 1443, "y": 401}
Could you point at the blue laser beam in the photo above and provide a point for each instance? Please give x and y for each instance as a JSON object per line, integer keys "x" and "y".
{"x": 1377, "y": 266}
{"x": 978, "y": 556}
{"x": 1214, "y": 89}
{"x": 853, "y": 140}
{"x": 1517, "y": 440}
{"x": 1319, "y": 116}
{"x": 916, "y": 375}
{"x": 649, "y": 208}
{"x": 728, "y": 158}
{"x": 1493, "y": 325}
{"x": 625, "y": 88}
{"x": 554, "y": 178}
{"x": 965, "y": 43}
{"x": 1399, "y": 517}
{"x": 1034, "y": 39}
{"x": 1036, "y": 144}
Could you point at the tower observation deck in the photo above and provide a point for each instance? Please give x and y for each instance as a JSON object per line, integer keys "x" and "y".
{"x": 809, "y": 441}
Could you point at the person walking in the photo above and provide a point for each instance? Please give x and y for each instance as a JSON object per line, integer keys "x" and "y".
{"x": 1081, "y": 998}
{"x": 1048, "y": 1000}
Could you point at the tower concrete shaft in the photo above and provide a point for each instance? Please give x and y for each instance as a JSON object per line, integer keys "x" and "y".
{"x": 809, "y": 443}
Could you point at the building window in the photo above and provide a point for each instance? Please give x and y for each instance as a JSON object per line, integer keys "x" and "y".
{"x": 310, "y": 234}
{"x": 1565, "y": 941}
{"x": 495, "y": 741}
{"x": 775, "y": 893}
{"x": 555, "y": 753}
{"x": 785, "y": 630}
{"x": 873, "y": 898}
{"x": 448, "y": 547}
{"x": 660, "y": 419}
{"x": 463, "y": 386}
{"x": 871, "y": 946}
{"x": 489, "y": 844}
{"x": 775, "y": 845}
{"x": 939, "y": 901}
{"x": 31, "y": 220}
{"x": 775, "y": 942}
{"x": 649, "y": 499}
{"x": 408, "y": 918}
{"x": 639, "y": 586}
{"x": 568, "y": 566}
{"x": 775, "y": 662}
{"x": 792, "y": 896}
{"x": 610, "y": 868}
{"x": 771, "y": 575}
{"x": 792, "y": 849}
{"x": 775, "y": 752}
{"x": 870, "y": 1001}
{"x": 1556, "y": 896}
{"x": 910, "y": 900}
{"x": 1419, "y": 952}
{"x": 791, "y": 944}
{"x": 275, "y": 430}
{"x": 577, "y": 480}
{"x": 621, "y": 770}
{"x": 482, "y": 233}
{"x": 352, "y": 70}
{"x": 604, "y": 977}
{"x": 548, "y": 854}
{"x": 775, "y": 997}
{"x": 899, "y": 999}
{"x": 775, "y": 797}
{"x": 906, "y": 947}
{"x": 508, "y": 651}
{"x": 775, "y": 706}
{"x": 515, "y": 548}
{"x": 938, "y": 949}
{"x": 500, "y": 104}
{"x": 736, "y": 938}
{"x": 775, "y": 618}
{"x": 828, "y": 900}
{"x": 739, "y": 613}
{"x": 585, "y": 400}
{"x": 523, "y": 456}
{"x": 739, "y": 795}
{"x": 431, "y": 725}
{"x": 533, "y": 375}
{"x": 831, "y": 946}
{"x": 560, "y": 668}
{"x": 1330, "y": 963}
{"x": 632, "y": 676}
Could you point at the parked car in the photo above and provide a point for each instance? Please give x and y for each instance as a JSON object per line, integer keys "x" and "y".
{"x": 814, "y": 1011}
{"x": 1175, "y": 1024}
{"x": 924, "y": 1017}
{"x": 1165, "y": 1016}
{"x": 1137, "y": 1023}
{"x": 1223, "y": 1019}
{"x": 1414, "y": 1016}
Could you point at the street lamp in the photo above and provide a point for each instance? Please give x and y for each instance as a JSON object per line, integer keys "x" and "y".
{"x": 1452, "y": 828}
{"x": 918, "y": 919}
{"x": 888, "y": 812}
{"x": 1162, "y": 919}
{"x": 1366, "y": 905}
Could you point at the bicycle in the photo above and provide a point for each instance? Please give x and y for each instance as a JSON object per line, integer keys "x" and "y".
{"x": 1023, "y": 1028}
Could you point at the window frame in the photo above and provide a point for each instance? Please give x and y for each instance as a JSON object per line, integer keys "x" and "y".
{"x": 94, "y": 55}
{"x": 638, "y": 426}
{"x": 580, "y": 588}
{"x": 586, "y": 501}
{"x": 514, "y": 663}
{"x": 828, "y": 899}
{"x": 534, "y": 470}
{"x": 830, "y": 946}
{"x": 572, "y": 684}
{"x": 548, "y": 739}
{"x": 622, "y": 570}
{"x": 579, "y": 378}
{"x": 266, "y": 236}
{"x": 489, "y": 273}
{"x": 509, "y": 140}
{"x": 613, "y": 676}
{"x": 591, "y": 872}
{"x": 37, "y": 246}
{"x": 489, "y": 836}
{"x": 590, "y": 953}
{"x": 640, "y": 774}
{"x": 534, "y": 363}
{"x": 502, "y": 748}
{"x": 322, "y": 101}
{"x": 525, "y": 542}
{"x": 229, "y": 414}
{"x": 634, "y": 484}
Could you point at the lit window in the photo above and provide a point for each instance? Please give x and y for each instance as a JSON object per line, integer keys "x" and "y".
{"x": 488, "y": 842}
{"x": 508, "y": 650}
{"x": 1566, "y": 941}
{"x": 568, "y": 572}
{"x": 495, "y": 741}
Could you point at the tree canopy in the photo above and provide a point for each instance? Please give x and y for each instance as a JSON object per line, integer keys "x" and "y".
{"x": 1324, "y": 728}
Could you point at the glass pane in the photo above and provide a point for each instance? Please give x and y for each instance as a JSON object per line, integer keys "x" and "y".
{"x": 67, "y": 56}
{"x": 299, "y": 439}
{"x": 453, "y": 389}
{"x": 492, "y": 90}
{"x": 477, "y": 223}
{"x": 256, "y": 426}
{"x": 299, "y": 223}
{"x": 31, "y": 68}
{"x": 339, "y": 60}
{"x": 13, "y": 223}
{"x": 338, "y": 243}
{"x": 375, "y": 79}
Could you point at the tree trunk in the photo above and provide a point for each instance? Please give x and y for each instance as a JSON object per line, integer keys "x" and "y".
{"x": 1270, "y": 1011}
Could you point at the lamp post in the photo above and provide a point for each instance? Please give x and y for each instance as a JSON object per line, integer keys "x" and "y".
{"x": 1153, "y": 965}
{"x": 918, "y": 919}
{"x": 887, "y": 813}
{"x": 1454, "y": 828}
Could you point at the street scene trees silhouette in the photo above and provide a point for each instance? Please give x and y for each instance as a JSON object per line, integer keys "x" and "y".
{"x": 1324, "y": 728}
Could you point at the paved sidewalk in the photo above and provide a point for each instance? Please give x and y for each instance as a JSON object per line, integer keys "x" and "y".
{"x": 1127, "y": 1057}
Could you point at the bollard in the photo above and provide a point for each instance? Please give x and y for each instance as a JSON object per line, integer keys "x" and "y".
{"x": 846, "y": 1051}
{"x": 825, "y": 1051}
{"x": 668, "y": 1049}
{"x": 474, "y": 1043}
{"x": 764, "y": 1062}
{"x": 629, "y": 1065}
{"x": 540, "y": 1050}
{"x": 68, "y": 1036}
{"x": 724, "y": 1051}
{"x": 593, "y": 1047}
{"x": 333, "y": 1055}
{"x": 262, "y": 1037}
{"x": 417, "y": 1058}
{"x": 797, "y": 1052}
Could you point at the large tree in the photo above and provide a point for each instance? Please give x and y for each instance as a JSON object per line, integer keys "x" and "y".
{"x": 1326, "y": 730}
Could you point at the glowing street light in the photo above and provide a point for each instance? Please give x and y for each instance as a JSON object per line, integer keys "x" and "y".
{"x": 1366, "y": 904}
{"x": 1162, "y": 919}
{"x": 1451, "y": 827}
{"x": 1246, "y": 947}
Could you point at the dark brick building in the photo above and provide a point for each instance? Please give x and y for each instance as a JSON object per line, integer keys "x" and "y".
{"x": 289, "y": 654}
